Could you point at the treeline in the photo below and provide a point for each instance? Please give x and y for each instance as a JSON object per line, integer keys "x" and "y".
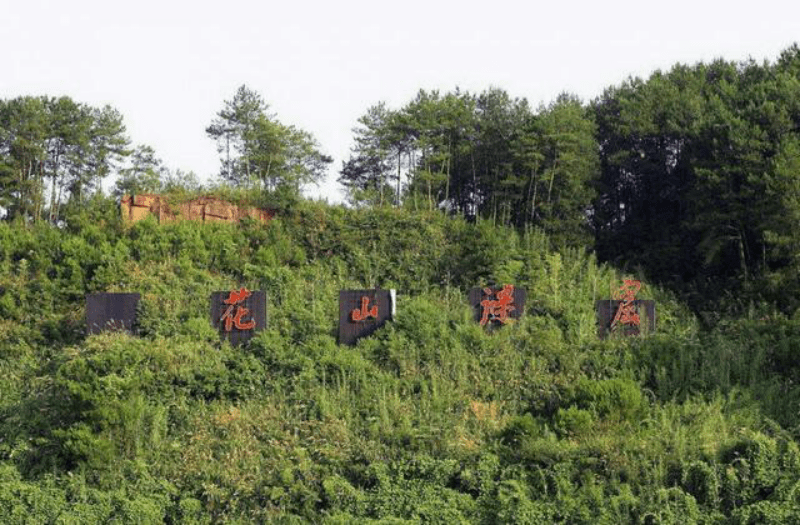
{"x": 55, "y": 142}
{"x": 690, "y": 175}
{"x": 700, "y": 178}
{"x": 486, "y": 155}
{"x": 64, "y": 149}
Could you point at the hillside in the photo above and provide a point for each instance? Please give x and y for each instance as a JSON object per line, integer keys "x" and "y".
{"x": 433, "y": 419}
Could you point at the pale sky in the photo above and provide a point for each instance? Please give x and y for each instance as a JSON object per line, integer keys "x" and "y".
{"x": 168, "y": 66}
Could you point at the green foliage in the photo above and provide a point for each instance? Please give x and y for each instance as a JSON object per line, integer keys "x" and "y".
{"x": 689, "y": 178}
{"x": 486, "y": 156}
{"x": 698, "y": 182}
{"x": 431, "y": 419}
{"x": 256, "y": 149}
{"x": 55, "y": 142}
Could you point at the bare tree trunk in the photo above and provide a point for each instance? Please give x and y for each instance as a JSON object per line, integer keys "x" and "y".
{"x": 532, "y": 201}
{"x": 552, "y": 177}
{"x": 449, "y": 161}
{"x": 474, "y": 184}
{"x": 228, "y": 155}
{"x": 53, "y": 200}
{"x": 399, "y": 162}
{"x": 267, "y": 180}
{"x": 380, "y": 189}
{"x": 38, "y": 192}
{"x": 743, "y": 254}
{"x": 58, "y": 200}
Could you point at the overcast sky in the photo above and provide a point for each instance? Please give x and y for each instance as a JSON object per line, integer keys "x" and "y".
{"x": 167, "y": 66}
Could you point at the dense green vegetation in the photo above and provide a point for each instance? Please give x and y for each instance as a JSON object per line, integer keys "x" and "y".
{"x": 432, "y": 419}
{"x": 688, "y": 180}
{"x": 690, "y": 174}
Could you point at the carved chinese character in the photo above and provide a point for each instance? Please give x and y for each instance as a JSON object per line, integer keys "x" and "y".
{"x": 497, "y": 305}
{"x": 233, "y": 317}
{"x": 239, "y": 314}
{"x": 500, "y": 308}
{"x": 626, "y": 313}
{"x": 364, "y": 313}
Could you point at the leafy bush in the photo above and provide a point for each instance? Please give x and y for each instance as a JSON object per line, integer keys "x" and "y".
{"x": 433, "y": 418}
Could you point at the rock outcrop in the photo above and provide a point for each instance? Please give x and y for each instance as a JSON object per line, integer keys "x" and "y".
{"x": 137, "y": 207}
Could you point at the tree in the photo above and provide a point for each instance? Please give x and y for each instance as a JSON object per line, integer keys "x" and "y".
{"x": 23, "y": 129}
{"x": 445, "y": 129}
{"x": 146, "y": 173}
{"x": 499, "y": 121}
{"x": 234, "y": 132}
{"x": 108, "y": 147}
{"x": 366, "y": 173}
{"x": 57, "y": 142}
{"x": 485, "y": 155}
{"x": 256, "y": 149}
{"x": 302, "y": 161}
{"x": 699, "y": 180}
{"x": 180, "y": 181}
{"x": 556, "y": 166}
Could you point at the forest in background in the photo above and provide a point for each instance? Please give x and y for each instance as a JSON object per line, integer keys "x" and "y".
{"x": 689, "y": 176}
{"x": 688, "y": 180}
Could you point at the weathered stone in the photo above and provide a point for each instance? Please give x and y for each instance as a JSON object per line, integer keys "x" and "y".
{"x": 218, "y": 209}
{"x": 144, "y": 200}
{"x": 139, "y": 207}
{"x": 195, "y": 211}
{"x": 138, "y": 213}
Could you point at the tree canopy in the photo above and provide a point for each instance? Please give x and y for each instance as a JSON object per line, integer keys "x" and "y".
{"x": 699, "y": 176}
{"x": 690, "y": 174}
{"x": 257, "y": 150}
{"x": 57, "y": 143}
{"x": 486, "y": 155}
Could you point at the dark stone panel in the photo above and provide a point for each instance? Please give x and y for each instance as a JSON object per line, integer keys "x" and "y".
{"x": 226, "y": 325}
{"x": 111, "y": 312}
{"x": 607, "y": 310}
{"x": 493, "y": 314}
{"x": 361, "y": 312}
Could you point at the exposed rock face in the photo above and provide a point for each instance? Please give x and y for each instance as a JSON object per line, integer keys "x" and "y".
{"x": 137, "y": 207}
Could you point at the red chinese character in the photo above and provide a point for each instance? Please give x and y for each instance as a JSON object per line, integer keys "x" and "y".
{"x": 626, "y": 313}
{"x": 234, "y": 318}
{"x": 363, "y": 313}
{"x": 499, "y": 309}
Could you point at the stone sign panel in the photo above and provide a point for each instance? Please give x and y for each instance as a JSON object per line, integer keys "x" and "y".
{"x": 497, "y": 305}
{"x": 111, "y": 312}
{"x": 361, "y": 312}
{"x": 239, "y": 314}
{"x": 625, "y": 318}
{"x": 623, "y": 314}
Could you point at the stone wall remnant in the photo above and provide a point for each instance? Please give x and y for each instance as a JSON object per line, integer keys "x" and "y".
{"x": 134, "y": 208}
